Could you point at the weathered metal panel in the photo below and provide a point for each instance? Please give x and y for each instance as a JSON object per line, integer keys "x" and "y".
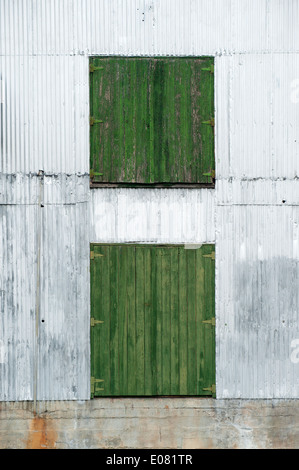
{"x": 45, "y": 112}
{"x": 151, "y": 306}
{"x": 121, "y": 215}
{"x": 257, "y": 117}
{"x": 152, "y": 120}
{"x": 44, "y": 356}
{"x": 17, "y": 301}
{"x": 63, "y": 337}
{"x": 36, "y": 27}
{"x": 257, "y": 302}
{"x": 173, "y": 27}
{"x": 59, "y": 188}
{"x": 147, "y": 27}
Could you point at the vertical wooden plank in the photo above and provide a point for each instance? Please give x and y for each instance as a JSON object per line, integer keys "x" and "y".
{"x": 148, "y": 327}
{"x": 123, "y": 320}
{"x": 152, "y": 130}
{"x": 112, "y": 132}
{"x": 119, "y": 120}
{"x": 196, "y": 157}
{"x": 167, "y": 161}
{"x": 165, "y": 320}
{"x": 209, "y": 307}
{"x": 174, "y": 157}
{"x": 103, "y": 110}
{"x": 129, "y": 95}
{"x": 192, "y": 325}
{"x": 185, "y": 114}
{"x": 131, "y": 305}
{"x": 140, "y": 331}
{"x": 177, "y": 124}
{"x": 183, "y": 321}
{"x": 159, "y": 316}
{"x": 158, "y": 78}
{"x": 154, "y": 318}
{"x": 142, "y": 122}
{"x": 114, "y": 323}
{"x": 200, "y": 317}
{"x": 207, "y": 112}
{"x": 166, "y": 131}
{"x": 93, "y": 278}
{"x": 174, "y": 320}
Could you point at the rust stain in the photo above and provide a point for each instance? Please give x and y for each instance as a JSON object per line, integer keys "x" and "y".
{"x": 42, "y": 434}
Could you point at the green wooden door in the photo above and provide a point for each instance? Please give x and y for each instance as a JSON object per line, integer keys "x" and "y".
{"x": 152, "y": 120}
{"x": 152, "y": 320}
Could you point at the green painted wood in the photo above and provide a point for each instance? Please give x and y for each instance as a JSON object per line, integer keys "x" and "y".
{"x": 174, "y": 322}
{"x": 140, "y": 322}
{"x": 131, "y": 311}
{"x": 148, "y": 330}
{"x": 123, "y": 319}
{"x": 153, "y": 301}
{"x": 183, "y": 323}
{"x": 200, "y": 308}
{"x": 153, "y": 111}
{"x": 95, "y": 275}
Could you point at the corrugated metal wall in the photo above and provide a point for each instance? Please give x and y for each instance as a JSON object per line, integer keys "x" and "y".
{"x": 44, "y": 50}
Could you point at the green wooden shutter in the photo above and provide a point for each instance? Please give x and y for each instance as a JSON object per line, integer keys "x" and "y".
{"x": 152, "y": 120}
{"x": 152, "y": 324}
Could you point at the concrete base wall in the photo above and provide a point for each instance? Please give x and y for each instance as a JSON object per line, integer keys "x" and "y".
{"x": 138, "y": 423}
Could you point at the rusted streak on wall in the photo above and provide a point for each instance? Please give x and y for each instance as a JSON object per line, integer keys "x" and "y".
{"x": 42, "y": 434}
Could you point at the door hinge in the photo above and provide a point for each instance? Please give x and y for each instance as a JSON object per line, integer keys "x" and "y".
{"x": 93, "y": 173}
{"x": 209, "y": 69}
{"x": 93, "y": 68}
{"x": 211, "y": 255}
{"x": 211, "y": 174}
{"x": 94, "y": 255}
{"x": 211, "y": 389}
{"x": 93, "y": 121}
{"x": 211, "y": 122}
{"x": 94, "y": 322}
{"x": 93, "y": 383}
{"x": 211, "y": 322}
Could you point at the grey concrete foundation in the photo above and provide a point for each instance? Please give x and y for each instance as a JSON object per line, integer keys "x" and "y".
{"x": 174, "y": 423}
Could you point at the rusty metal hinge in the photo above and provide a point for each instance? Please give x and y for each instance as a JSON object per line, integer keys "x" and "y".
{"x": 93, "y": 121}
{"x": 211, "y": 322}
{"x": 209, "y": 69}
{"x": 211, "y": 122}
{"x": 93, "y": 68}
{"x": 93, "y": 173}
{"x": 211, "y": 255}
{"x": 211, "y": 174}
{"x": 94, "y": 255}
{"x": 93, "y": 383}
{"x": 211, "y": 389}
{"x": 94, "y": 322}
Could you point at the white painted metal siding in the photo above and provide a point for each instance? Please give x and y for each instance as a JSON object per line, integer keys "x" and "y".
{"x": 252, "y": 214}
{"x": 154, "y": 27}
{"x": 44, "y": 123}
{"x": 257, "y": 301}
{"x": 152, "y": 216}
